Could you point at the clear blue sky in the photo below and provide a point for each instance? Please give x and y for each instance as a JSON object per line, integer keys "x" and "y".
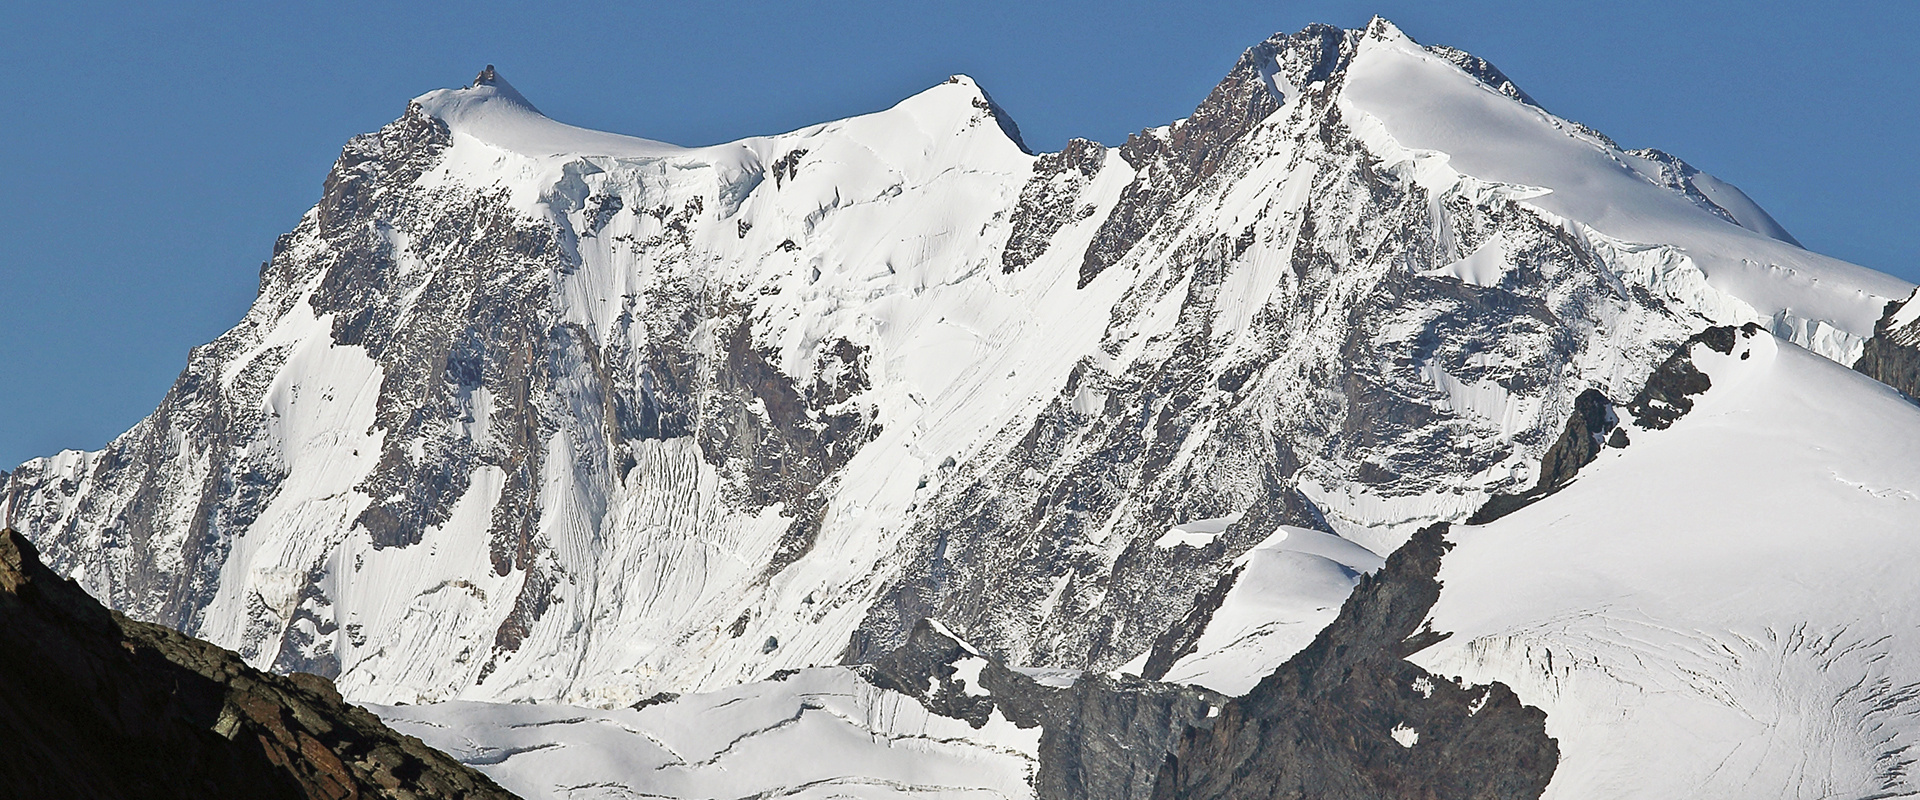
{"x": 150, "y": 153}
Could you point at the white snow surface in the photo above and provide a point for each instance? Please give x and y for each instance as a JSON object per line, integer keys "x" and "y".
{"x": 1414, "y": 100}
{"x": 1723, "y": 609}
{"x": 1290, "y": 586}
{"x": 1404, "y": 736}
{"x": 1694, "y": 606}
{"x": 821, "y": 733}
{"x": 1196, "y": 533}
{"x": 499, "y": 115}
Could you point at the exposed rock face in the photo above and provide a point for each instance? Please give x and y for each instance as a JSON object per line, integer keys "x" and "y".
{"x": 1358, "y": 375}
{"x": 1180, "y": 638}
{"x": 1048, "y": 201}
{"x": 96, "y": 705}
{"x": 1103, "y": 737}
{"x": 1585, "y": 433}
{"x": 1892, "y": 356}
{"x": 1668, "y": 394}
{"x": 1349, "y": 717}
{"x": 527, "y": 412}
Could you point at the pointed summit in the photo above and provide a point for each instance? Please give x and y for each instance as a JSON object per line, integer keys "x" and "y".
{"x": 489, "y": 84}
{"x": 1384, "y": 30}
{"x": 993, "y": 109}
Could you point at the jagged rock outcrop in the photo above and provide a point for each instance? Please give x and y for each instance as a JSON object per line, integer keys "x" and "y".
{"x": 1666, "y": 396}
{"x": 95, "y": 705}
{"x": 1578, "y": 444}
{"x": 1669, "y": 391}
{"x": 1350, "y": 717}
{"x": 1892, "y": 356}
{"x": 1103, "y": 737}
{"x": 1180, "y": 638}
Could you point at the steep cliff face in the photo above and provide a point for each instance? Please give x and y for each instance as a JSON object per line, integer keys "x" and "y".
{"x": 1892, "y": 356}
{"x": 530, "y": 412}
{"x": 96, "y": 705}
{"x": 1349, "y": 717}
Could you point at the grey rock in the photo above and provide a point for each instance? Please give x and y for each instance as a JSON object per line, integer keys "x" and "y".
{"x": 1350, "y": 717}
{"x": 1102, "y": 738}
{"x": 1892, "y": 356}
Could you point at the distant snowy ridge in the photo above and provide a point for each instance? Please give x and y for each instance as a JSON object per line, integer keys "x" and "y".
{"x": 530, "y": 412}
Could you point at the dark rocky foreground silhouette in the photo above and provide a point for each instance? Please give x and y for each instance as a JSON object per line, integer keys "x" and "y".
{"x": 96, "y": 705}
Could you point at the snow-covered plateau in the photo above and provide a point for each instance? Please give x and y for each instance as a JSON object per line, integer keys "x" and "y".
{"x": 621, "y": 469}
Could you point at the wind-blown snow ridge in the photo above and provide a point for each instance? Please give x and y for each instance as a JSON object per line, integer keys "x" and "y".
{"x": 494, "y": 112}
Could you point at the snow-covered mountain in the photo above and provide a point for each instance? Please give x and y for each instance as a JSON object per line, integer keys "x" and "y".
{"x": 526, "y": 412}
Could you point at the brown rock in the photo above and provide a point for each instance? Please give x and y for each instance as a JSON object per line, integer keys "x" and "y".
{"x": 96, "y": 705}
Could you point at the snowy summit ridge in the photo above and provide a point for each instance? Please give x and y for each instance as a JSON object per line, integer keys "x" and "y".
{"x": 529, "y": 412}
{"x": 489, "y": 80}
{"x": 491, "y": 110}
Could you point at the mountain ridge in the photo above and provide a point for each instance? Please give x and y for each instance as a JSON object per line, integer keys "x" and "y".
{"x": 596, "y": 417}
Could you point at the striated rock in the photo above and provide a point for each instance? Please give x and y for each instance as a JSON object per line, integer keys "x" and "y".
{"x": 1350, "y": 717}
{"x": 1892, "y": 356}
{"x": 96, "y": 705}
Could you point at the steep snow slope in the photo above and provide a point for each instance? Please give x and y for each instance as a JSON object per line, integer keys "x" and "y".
{"x": 1282, "y": 592}
{"x": 528, "y": 412}
{"x": 1465, "y": 126}
{"x": 1723, "y": 608}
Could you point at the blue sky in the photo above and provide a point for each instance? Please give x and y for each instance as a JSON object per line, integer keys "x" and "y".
{"x": 150, "y": 153}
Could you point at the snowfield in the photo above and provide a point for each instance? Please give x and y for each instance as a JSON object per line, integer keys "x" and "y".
{"x": 531, "y": 424}
{"x": 1466, "y": 127}
{"x": 1723, "y": 608}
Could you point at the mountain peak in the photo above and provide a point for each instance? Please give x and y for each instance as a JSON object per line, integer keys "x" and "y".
{"x": 993, "y": 109}
{"x": 488, "y": 85}
{"x": 491, "y": 110}
{"x": 1383, "y": 29}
